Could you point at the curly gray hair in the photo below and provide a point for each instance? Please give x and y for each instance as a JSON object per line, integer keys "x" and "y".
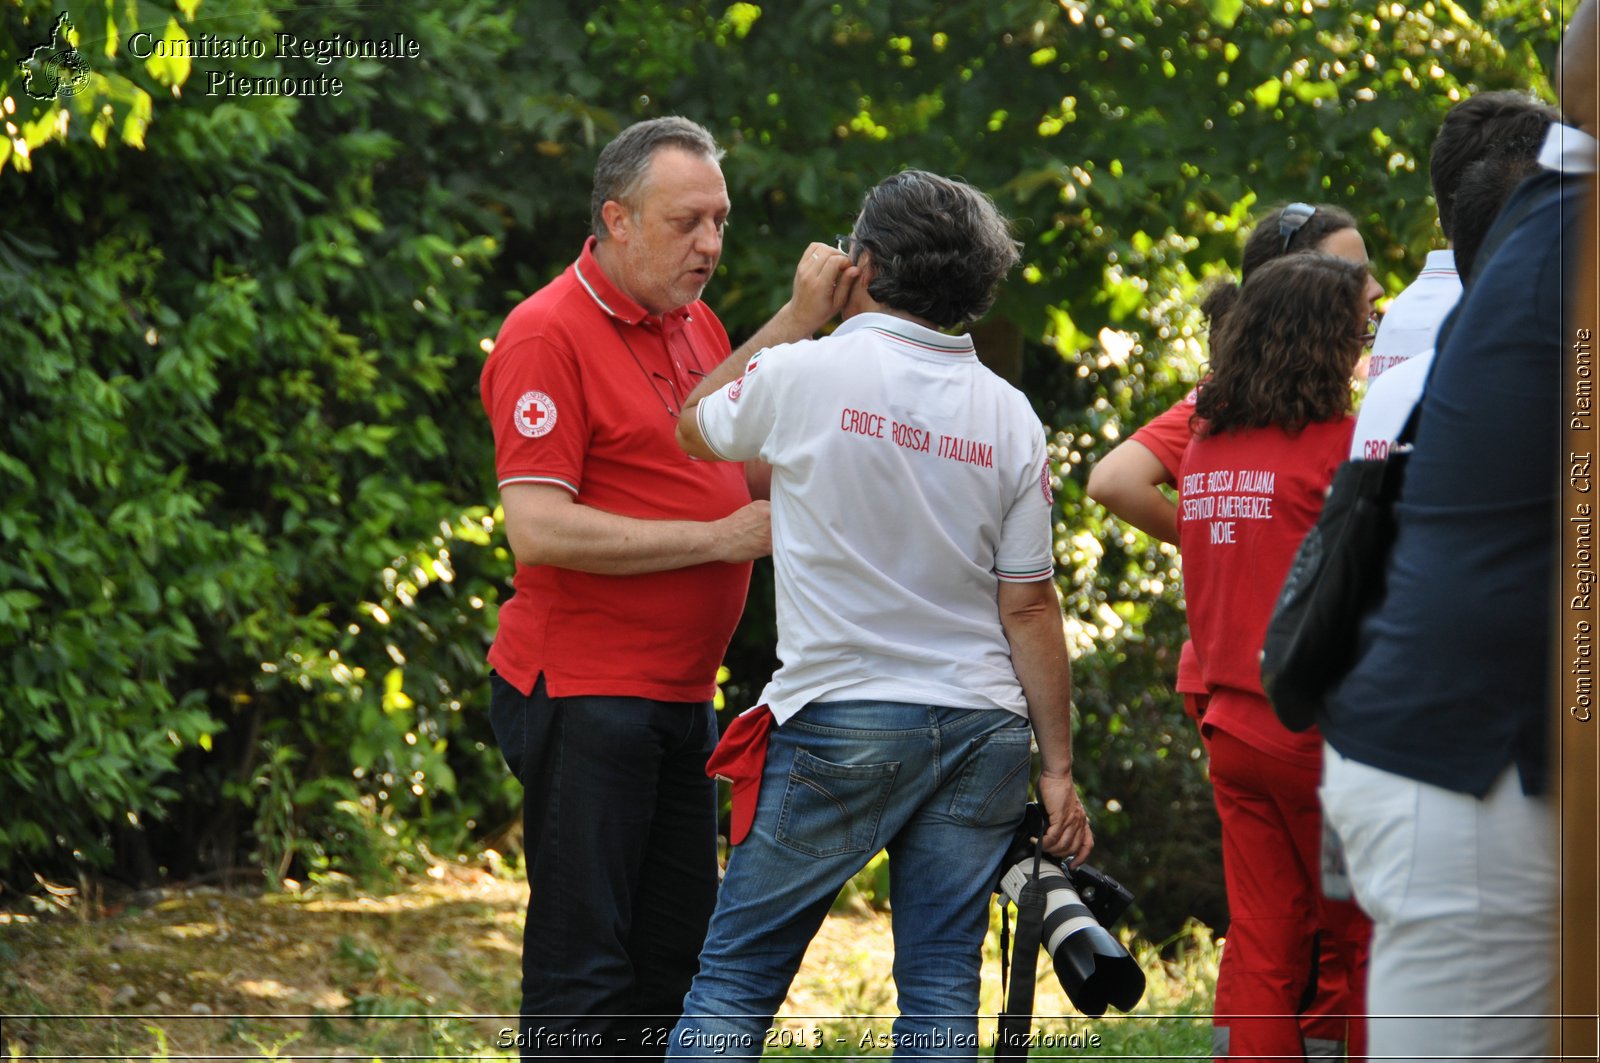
{"x": 940, "y": 247}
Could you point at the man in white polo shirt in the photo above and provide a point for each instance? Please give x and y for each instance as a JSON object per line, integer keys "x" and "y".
{"x": 1492, "y": 130}
{"x": 918, "y": 628}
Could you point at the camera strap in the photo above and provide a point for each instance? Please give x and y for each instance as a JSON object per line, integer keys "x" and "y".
{"x": 1016, "y": 1021}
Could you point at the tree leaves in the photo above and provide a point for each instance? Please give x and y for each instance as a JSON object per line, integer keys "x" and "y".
{"x": 243, "y": 337}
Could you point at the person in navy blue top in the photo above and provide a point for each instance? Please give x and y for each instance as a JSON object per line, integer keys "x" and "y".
{"x": 1436, "y": 774}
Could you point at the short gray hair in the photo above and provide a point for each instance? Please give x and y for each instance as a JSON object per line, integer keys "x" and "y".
{"x": 619, "y": 173}
{"x": 940, "y": 247}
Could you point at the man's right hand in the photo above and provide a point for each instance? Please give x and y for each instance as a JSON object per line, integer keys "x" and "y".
{"x": 822, "y": 282}
{"x": 745, "y": 534}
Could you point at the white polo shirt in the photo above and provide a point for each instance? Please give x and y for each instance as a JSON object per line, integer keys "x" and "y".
{"x": 1387, "y": 405}
{"x": 908, "y": 481}
{"x": 1412, "y": 321}
{"x": 1405, "y": 336}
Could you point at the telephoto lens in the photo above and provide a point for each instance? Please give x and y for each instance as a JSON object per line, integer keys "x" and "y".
{"x": 1094, "y": 968}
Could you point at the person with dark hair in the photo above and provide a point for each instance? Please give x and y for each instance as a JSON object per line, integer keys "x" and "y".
{"x": 1272, "y": 422}
{"x": 1483, "y": 190}
{"x": 632, "y": 563}
{"x": 1128, "y": 480}
{"x": 1477, "y": 128}
{"x": 1290, "y": 229}
{"x": 1437, "y": 763}
{"x": 1488, "y": 125}
{"x": 915, "y": 651}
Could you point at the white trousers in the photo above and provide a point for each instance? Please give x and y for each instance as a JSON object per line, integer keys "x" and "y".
{"x": 1463, "y": 898}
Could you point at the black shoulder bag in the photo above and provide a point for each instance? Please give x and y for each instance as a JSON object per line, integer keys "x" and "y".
{"x": 1336, "y": 576}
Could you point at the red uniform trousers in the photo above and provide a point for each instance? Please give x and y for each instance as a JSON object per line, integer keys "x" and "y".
{"x": 1281, "y": 927}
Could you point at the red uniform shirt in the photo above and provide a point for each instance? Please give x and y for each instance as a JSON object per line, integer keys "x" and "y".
{"x": 1246, "y": 499}
{"x": 582, "y": 391}
{"x": 1167, "y": 437}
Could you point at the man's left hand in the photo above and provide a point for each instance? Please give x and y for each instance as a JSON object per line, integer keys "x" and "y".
{"x": 1068, "y": 833}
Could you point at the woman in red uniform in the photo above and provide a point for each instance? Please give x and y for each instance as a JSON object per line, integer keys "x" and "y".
{"x": 1128, "y": 480}
{"x": 1272, "y": 422}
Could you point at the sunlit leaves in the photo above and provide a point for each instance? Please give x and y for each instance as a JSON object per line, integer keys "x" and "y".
{"x": 169, "y": 60}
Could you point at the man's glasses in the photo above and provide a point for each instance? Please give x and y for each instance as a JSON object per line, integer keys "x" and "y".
{"x": 675, "y": 407}
{"x": 655, "y": 379}
{"x": 1294, "y": 216}
{"x": 847, "y": 243}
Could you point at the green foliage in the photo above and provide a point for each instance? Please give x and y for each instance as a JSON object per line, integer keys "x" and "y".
{"x": 868, "y": 888}
{"x": 246, "y": 549}
{"x": 246, "y": 553}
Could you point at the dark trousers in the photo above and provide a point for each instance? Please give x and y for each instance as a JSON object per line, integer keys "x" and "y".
{"x": 620, "y": 837}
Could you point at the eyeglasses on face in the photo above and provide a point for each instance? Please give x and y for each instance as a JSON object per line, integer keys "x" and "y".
{"x": 1294, "y": 216}
{"x": 848, "y": 243}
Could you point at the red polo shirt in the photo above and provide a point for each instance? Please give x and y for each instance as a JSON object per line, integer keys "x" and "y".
{"x": 582, "y": 391}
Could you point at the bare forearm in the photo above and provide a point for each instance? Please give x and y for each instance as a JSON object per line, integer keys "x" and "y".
{"x": 1044, "y": 668}
{"x": 1030, "y": 615}
{"x": 1127, "y": 482}
{"x": 545, "y": 526}
{"x": 591, "y": 540}
{"x": 782, "y": 328}
{"x": 1145, "y": 507}
{"x": 822, "y": 282}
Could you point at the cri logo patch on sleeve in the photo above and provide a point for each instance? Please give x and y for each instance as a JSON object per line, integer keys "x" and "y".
{"x": 536, "y": 414}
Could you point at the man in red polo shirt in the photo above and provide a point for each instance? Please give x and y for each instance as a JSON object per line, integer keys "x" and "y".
{"x": 632, "y": 565}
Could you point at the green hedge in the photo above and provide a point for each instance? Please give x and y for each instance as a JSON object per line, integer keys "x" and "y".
{"x": 247, "y": 557}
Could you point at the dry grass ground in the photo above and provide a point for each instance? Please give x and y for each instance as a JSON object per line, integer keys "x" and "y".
{"x": 427, "y": 971}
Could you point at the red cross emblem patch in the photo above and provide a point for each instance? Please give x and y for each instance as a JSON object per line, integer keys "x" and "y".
{"x": 536, "y": 414}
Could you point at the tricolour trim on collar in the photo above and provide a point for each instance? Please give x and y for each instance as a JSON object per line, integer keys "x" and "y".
{"x": 605, "y": 293}
{"x": 1439, "y": 263}
{"x": 577, "y": 268}
{"x": 611, "y": 299}
{"x": 616, "y": 303}
{"x": 910, "y": 334}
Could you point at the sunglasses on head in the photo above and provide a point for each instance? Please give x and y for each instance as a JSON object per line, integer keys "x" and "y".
{"x": 1294, "y": 216}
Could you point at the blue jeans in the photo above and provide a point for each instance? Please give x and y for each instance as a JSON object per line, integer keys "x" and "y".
{"x": 620, "y": 835}
{"x": 942, "y": 790}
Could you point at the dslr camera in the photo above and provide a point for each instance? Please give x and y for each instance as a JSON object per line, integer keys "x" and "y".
{"x": 1080, "y": 904}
